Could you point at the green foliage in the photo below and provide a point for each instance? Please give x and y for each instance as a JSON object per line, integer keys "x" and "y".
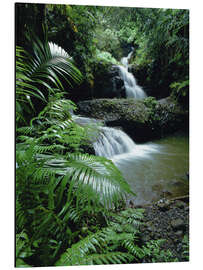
{"x": 180, "y": 90}
{"x": 58, "y": 192}
{"x": 106, "y": 57}
{"x": 186, "y": 250}
{"x": 67, "y": 201}
{"x": 24, "y": 87}
{"x": 163, "y": 48}
{"x": 154, "y": 253}
{"x": 22, "y": 249}
{"x": 117, "y": 243}
{"x": 150, "y": 102}
{"x": 110, "y": 245}
{"x": 39, "y": 75}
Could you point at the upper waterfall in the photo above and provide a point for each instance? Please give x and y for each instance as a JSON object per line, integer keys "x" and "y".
{"x": 132, "y": 89}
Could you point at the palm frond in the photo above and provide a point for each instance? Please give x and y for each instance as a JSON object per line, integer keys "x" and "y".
{"x": 81, "y": 248}
{"x": 50, "y": 63}
{"x": 96, "y": 177}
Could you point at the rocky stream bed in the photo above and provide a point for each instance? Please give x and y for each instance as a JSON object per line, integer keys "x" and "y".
{"x": 169, "y": 220}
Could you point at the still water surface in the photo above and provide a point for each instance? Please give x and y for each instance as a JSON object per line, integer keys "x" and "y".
{"x": 157, "y": 169}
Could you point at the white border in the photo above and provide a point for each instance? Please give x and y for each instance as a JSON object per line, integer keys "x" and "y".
{"x": 7, "y": 130}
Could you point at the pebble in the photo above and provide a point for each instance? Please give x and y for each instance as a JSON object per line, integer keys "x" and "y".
{"x": 177, "y": 223}
{"x": 170, "y": 224}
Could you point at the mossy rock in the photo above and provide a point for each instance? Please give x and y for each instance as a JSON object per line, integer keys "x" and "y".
{"x": 141, "y": 119}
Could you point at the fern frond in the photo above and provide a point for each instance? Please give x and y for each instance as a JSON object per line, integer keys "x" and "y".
{"x": 133, "y": 249}
{"x": 81, "y": 248}
{"x": 105, "y": 258}
{"x": 45, "y": 149}
{"x": 28, "y": 130}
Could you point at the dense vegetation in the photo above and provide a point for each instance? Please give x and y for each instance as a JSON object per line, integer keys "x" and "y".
{"x": 70, "y": 205}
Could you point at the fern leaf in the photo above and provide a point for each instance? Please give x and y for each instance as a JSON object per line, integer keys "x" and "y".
{"x": 81, "y": 248}
{"x": 106, "y": 258}
{"x": 134, "y": 249}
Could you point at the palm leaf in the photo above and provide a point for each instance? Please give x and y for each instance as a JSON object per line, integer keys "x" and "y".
{"x": 94, "y": 177}
{"x": 49, "y": 62}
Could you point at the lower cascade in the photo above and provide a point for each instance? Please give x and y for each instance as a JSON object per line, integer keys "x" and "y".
{"x": 112, "y": 142}
{"x": 151, "y": 169}
{"x": 132, "y": 89}
{"x": 115, "y": 144}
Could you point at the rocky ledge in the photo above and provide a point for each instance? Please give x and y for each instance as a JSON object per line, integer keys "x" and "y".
{"x": 141, "y": 119}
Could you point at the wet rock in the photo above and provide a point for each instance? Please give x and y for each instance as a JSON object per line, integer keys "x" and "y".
{"x": 177, "y": 224}
{"x": 180, "y": 204}
{"x": 166, "y": 193}
{"x": 179, "y": 233}
{"x": 157, "y": 187}
{"x": 140, "y": 121}
{"x": 163, "y": 205}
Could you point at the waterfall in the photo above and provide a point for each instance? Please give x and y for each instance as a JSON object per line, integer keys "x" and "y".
{"x": 112, "y": 142}
{"x": 116, "y": 145}
{"x": 132, "y": 89}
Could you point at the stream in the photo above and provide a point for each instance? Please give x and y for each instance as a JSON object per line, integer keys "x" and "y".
{"x": 154, "y": 170}
{"x": 157, "y": 170}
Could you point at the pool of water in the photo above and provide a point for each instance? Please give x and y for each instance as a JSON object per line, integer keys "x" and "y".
{"x": 157, "y": 169}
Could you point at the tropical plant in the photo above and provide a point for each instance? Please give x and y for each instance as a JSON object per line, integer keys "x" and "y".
{"x": 119, "y": 242}
{"x": 23, "y": 249}
{"x": 180, "y": 91}
{"x": 39, "y": 74}
{"x": 58, "y": 192}
{"x": 113, "y": 244}
{"x": 186, "y": 249}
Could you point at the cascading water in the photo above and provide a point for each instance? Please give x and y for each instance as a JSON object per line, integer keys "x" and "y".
{"x": 149, "y": 168}
{"x": 115, "y": 144}
{"x": 112, "y": 142}
{"x": 132, "y": 89}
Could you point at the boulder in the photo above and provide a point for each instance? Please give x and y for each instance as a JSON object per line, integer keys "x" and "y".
{"x": 142, "y": 120}
{"x": 107, "y": 81}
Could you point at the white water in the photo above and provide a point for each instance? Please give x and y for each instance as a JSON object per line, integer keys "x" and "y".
{"x": 132, "y": 89}
{"x": 113, "y": 143}
{"x": 151, "y": 168}
{"x": 117, "y": 145}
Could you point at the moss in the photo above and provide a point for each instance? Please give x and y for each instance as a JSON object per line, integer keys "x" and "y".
{"x": 141, "y": 119}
